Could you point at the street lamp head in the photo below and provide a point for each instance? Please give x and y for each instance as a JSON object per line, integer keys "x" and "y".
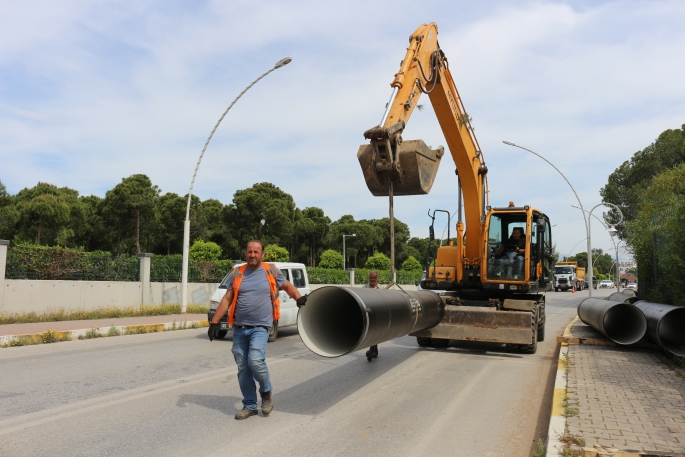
{"x": 612, "y": 231}
{"x": 283, "y": 62}
{"x": 354, "y": 234}
{"x": 508, "y": 143}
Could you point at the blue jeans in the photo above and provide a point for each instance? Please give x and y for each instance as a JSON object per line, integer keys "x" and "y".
{"x": 249, "y": 351}
{"x": 510, "y": 267}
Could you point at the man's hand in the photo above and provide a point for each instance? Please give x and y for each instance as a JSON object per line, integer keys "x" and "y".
{"x": 213, "y": 330}
{"x": 301, "y": 301}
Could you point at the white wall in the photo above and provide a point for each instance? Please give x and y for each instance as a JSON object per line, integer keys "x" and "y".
{"x": 26, "y": 295}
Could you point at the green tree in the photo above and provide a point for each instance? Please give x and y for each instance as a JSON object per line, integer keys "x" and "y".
{"x": 313, "y": 226}
{"x": 170, "y": 213}
{"x": 628, "y": 182}
{"x": 658, "y": 239}
{"x": 601, "y": 261}
{"x": 368, "y": 237}
{"x": 275, "y": 253}
{"x": 139, "y": 195}
{"x": 411, "y": 264}
{"x": 378, "y": 261}
{"x": 401, "y": 238}
{"x": 201, "y": 250}
{"x": 43, "y": 212}
{"x": 331, "y": 259}
{"x": 262, "y": 212}
{"x": 8, "y": 214}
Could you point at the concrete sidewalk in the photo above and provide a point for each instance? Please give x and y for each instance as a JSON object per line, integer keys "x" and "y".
{"x": 619, "y": 401}
{"x": 74, "y": 329}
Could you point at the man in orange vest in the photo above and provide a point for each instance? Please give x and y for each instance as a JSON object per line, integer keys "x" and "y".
{"x": 252, "y": 303}
{"x": 372, "y": 353}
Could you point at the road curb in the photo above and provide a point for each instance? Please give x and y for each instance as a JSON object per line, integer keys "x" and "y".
{"x": 87, "y": 333}
{"x": 557, "y": 421}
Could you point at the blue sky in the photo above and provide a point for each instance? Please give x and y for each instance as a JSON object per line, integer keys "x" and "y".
{"x": 92, "y": 92}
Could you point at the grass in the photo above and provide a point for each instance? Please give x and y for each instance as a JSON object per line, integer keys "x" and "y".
{"x": 99, "y": 313}
{"x": 94, "y": 332}
{"x": 47, "y": 337}
{"x": 541, "y": 449}
{"x": 53, "y": 336}
{"x": 569, "y": 441}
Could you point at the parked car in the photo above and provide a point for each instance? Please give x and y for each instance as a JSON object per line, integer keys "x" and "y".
{"x": 296, "y": 273}
{"x": 631, "y": 285}
{"x": 594, "y": 282}
{"x": 606, "y": 284}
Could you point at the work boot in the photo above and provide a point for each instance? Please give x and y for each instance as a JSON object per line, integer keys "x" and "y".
{"x": 267, "y": 403}
{"x": 245, "y": 413}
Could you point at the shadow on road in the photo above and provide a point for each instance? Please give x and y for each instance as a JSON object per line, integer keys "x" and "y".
{"x": 221, "y": 403}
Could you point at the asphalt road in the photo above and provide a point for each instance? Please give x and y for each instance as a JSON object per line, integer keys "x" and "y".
{"x": 175, "y": 393}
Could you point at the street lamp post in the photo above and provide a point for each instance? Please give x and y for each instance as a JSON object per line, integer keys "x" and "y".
{"x": 618, "y": 270}
{"x": 186, "y": 225}
{"x": 354, "y": 234}
{"x": 585, "y": 219}
{"x": 611, "y": 229}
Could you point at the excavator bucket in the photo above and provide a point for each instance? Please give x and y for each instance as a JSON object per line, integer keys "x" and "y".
{"x": 412, "y": 167}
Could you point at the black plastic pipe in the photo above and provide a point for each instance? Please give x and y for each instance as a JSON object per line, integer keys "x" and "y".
{"x": 665, "y": 325}
{"x": 339, "y": 320}
{"x": 622, "y": 323}
{"x": 622, "y": 297}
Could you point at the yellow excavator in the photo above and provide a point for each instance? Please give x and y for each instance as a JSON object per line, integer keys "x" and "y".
{"x": 496, "y": 269}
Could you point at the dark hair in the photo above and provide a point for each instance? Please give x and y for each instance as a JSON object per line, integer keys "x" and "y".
{"x": 520, "y": 229}
{"x": 255, "y": 241}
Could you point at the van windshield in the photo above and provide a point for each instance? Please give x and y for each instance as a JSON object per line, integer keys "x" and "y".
{"x": 565, "y": 270}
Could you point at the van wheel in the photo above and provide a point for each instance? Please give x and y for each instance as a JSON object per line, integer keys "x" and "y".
{"x": 273, "y": 332}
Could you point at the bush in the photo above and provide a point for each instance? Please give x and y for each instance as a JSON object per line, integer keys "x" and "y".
{"x": 378, "y": 261}
{"x": 275, "y": 253}
{"x": 411, "y": 264}
{"x": 331, "y": 259}
{"x": 204, "y": 250}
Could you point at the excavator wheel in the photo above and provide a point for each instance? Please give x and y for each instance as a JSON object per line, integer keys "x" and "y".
{"x": 533, "y": 347}
{"x": 423, "y": 341}
{"x": 439, "y": 342}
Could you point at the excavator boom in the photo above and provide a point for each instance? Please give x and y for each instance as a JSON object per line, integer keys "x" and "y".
{"x": 412, "y": 165}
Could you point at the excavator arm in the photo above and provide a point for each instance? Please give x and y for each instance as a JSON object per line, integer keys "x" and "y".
{"x": 391, "y": 164}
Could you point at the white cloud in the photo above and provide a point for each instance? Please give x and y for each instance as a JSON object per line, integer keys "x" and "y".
{"x": 94, "y": 92}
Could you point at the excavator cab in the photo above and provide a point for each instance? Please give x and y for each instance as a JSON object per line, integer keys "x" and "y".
{"x": 518, "y": 250}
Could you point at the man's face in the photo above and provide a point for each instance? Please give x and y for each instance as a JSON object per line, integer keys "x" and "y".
{"x": 373, "y": 279}
{"x": 254, "y": 255}
{"x": 516, "y": 234}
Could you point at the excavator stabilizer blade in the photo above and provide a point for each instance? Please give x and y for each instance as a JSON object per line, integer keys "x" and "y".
{"x": 413, "y": 171}
{"x": 473, "y": 323}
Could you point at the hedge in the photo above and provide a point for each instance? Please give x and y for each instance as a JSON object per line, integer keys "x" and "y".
{"x": 361, "y": 276}
{"x": 26, "y": 261}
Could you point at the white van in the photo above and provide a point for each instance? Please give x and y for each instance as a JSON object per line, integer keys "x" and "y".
{"x": 296, "y": 273}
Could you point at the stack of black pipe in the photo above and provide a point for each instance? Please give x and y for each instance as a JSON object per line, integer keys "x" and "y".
{"x": 625, "y": 319}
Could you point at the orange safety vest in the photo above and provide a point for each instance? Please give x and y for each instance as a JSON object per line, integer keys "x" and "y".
{"x": 271, "y": 273}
